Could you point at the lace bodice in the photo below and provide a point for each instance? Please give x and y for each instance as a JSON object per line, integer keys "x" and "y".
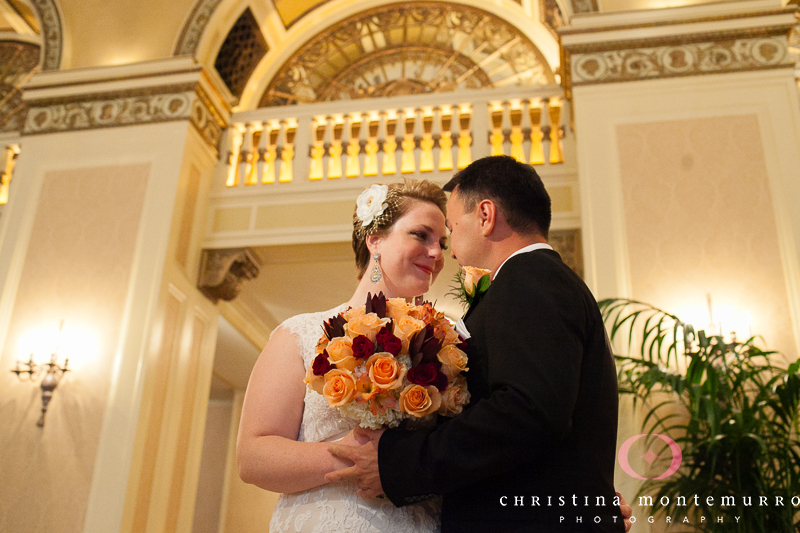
{"x": 319, "y": 421}
{"x": 336, "y": 507}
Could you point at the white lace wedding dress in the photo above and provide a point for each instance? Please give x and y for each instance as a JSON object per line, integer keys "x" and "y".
{"x": 335, "y": 508}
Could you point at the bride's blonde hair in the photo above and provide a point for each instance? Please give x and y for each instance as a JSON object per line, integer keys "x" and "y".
{"x": 399, "y": 199}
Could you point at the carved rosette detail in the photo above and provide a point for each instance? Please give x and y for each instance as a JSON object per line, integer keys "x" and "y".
{"x": 147, "y": 106}
{"x": 649, "y": 62}
{"x": 224, "y": 272}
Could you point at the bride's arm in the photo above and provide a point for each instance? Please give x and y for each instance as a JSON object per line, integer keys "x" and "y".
{"x": 268, "y": 453}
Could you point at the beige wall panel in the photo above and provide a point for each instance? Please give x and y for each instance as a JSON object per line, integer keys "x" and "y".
{"x": 298, "y": 215}
{"x": 77, "y": 268}
{"x": 231, "y": 219}
{"x": 699, "y": 219}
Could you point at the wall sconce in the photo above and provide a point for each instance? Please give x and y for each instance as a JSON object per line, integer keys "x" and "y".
{"x": 53, "y": 372}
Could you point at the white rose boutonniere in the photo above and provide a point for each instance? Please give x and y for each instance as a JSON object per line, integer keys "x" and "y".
{"x": 371, "y": 203}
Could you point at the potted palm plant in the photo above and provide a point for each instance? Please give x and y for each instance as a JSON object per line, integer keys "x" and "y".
{"x": 730, "y": 406}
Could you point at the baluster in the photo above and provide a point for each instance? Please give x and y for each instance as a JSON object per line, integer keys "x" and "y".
{"x": 546, "y": 131}
{"x": 426, "y": 144}
{"x": 289, "y": 130}
{"x": 335, "y": 150}
{"x": 408, "y": 163}
{"x": 464, "y": 137}
{"x": 353, "y": 168}
{"x": 246, "y": 156}
{"x": 535, "y": 113}
{"x": 445, "y": 116}
{"x": 389, "y": 143}
{"x": 233, "y": 141}
{"x": 261, "y": 153}
{"x": 318, "y": 150}
{"x": 273, "y": 129}
{"x": 9, "y": 159}
{"x": 556, "y": 131}
{"x": 371, "y": 159}
{"x": 516, "y": 137}
{"x": 496, "y": 138}
{"x": 526, "y": 127}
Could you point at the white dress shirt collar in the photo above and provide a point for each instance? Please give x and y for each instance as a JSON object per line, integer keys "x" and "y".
{"x": 529, "y": 248}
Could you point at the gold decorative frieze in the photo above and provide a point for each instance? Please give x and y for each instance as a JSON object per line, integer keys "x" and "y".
{"x": 125, "y": 108}
{"x": 679, "y": 55}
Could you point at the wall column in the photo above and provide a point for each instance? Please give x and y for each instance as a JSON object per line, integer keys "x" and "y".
{"x": 688, "y": 130}
{"x": 101, "y": 231}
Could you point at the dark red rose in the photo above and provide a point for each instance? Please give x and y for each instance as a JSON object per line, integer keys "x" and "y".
{"x": 388, "y": 341}
{"x": 383, "y": 334}
{"x": 362, "y": 347}
{"x": 424, "y": 374}
{"x": 441, "y": 382}
{"x": 321, "y": 365}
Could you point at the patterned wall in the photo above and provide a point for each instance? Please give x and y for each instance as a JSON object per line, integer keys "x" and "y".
{"x": 699, "y": 218}
{"x": 77, "y": 268}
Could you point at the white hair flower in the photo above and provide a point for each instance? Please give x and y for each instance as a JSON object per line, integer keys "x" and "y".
{"x": 371, "y": 203}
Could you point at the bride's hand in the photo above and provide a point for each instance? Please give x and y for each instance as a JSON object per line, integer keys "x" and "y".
{"x": 351, "y": 439}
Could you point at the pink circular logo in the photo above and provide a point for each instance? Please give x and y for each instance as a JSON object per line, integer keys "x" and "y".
{"x": 677, "y": 456}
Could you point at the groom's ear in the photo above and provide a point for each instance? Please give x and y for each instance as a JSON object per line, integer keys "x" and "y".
{"x": 487, "y": 216}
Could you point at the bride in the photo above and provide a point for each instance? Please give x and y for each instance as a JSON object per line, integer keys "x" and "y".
{"x": 399, "y": 234}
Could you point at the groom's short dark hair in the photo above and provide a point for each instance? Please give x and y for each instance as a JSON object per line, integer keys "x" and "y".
{"x": 515, "y": 187}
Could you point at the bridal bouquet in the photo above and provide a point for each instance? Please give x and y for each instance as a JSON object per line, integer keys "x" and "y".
{"x": 387, "y": 361}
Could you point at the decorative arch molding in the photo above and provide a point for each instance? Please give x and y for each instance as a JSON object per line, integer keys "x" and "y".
{"x": 333, "y": 12}
{"x": 193, "y": 28}
{"x": 52, "y": 33}
{"x": 409, "y": 48}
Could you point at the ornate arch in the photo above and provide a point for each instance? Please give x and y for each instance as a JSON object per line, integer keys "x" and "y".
{"x": 414, "y": 47}
{"x": 52, "y": 33}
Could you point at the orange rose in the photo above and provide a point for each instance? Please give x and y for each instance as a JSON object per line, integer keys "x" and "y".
{"x": 385, "y": 372}
{"x": 397, "y": 308}
{"x": 368, "y": 325}
{"x": 340, "y": 387}
{"x": 354, "y": 312}
{"x": 454, "y": 398}
{"x": 340, "y": 353}
{"x": 446, "y": 333}
{"x": 313, "y": 381}
{"x": 405, "y": 328}
{"x": 420, "y": 401}
{"x": 453, "y": 360}
{"x": 472, "y": 276}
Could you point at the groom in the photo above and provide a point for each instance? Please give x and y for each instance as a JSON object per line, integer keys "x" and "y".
{"x": 535, "y": 449}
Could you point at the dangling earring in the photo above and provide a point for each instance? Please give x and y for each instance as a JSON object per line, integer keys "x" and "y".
{"x": 376, "y": 274}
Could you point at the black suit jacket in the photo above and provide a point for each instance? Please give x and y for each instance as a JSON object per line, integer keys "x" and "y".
{"x": 542, "y": 423}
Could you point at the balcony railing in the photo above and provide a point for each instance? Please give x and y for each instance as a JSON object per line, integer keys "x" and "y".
{"x": 9, "y": 151}
{"x": 306, "y": 153}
